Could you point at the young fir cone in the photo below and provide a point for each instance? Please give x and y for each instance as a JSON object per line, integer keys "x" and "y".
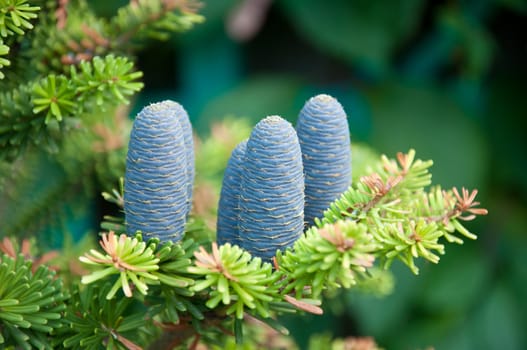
{"x": 186, "y": 127}
{"x": 156, "y": 180}
{"x": 324, "y": 138}
{"x": 228, "y": 207}
{"x": 272, "y": 189}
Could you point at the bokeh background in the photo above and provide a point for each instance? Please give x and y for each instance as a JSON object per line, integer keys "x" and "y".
{"x": 448, "y": 78}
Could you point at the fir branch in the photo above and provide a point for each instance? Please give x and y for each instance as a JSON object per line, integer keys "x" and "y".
{"x": 4, "y": 62}
{"x": 33, "y": 202}
{"x": 405, "y": 221}
{"x": 155, "y": 19}
{"x": 333, "y": 256}
{"x": 60, "y": 39}
{"x": 104, "y": 82}
{"x": 449, "y": 208}
{"x": 407, "y": 241}
{"x": 235, "y": 279}
{"x": 93, "y": 322}
{"x": 171, "y": 301}
{"x": 193, "y": 291}
{"x": 31, "y": 304}
{"x": 130, "y": 258}
{"x": 140, "y": 264}
{"x": 174, "y": 261}
{"x": 55, "y": 97}
{"x": 19, "y": 127}
{"x": 15, "y": 17}
{"x": 392, "y": 183}
{"x": 40, "y": 112}
{"x": 61, "y": 71}
{"x": 26, "y": 249}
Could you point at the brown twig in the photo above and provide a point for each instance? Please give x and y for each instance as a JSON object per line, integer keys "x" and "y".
{"x": 313, "y": 309}
{"x": 459, "y": 204}
{"x": 61, "y": 13}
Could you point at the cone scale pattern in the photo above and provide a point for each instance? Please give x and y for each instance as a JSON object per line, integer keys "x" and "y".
{"x": 156, "y": 180}
{"x": 228, "y": 207}
{"x": 271, "y": 213}
{"x": 324, "y": 138}
{"x": 186, "y": 128}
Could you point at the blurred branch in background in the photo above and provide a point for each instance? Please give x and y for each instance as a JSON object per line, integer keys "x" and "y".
{"x": 246, "y": 20}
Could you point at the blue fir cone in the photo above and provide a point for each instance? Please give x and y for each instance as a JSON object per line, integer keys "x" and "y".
{"x": 186, "y": 127}
{"x": 228, "y": 207}
{"x": 324, "y": 137}
{"x": 271, "y": 213}
{"x": 155, "y": 187}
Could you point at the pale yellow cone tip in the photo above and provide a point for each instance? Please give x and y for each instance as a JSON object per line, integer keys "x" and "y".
{"x": 163, "y": 105}
{"x": 323, "y": 98}
{"x": 273, "y": 119}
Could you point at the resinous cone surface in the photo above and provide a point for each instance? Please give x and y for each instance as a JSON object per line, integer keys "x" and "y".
{"x": 228, "y": 207}
{"x": 156, "y": 179}
{"x": 272, "y": 189}
{"x": 324, "y": 138}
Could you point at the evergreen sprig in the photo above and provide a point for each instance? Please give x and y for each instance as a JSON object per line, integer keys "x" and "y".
{"x": 407, "y": 241}
{"x": 18, "y": 125}
{"x": 333, "y": 256}
{"x": 73, "y": 64}
{"x": 31, "y": 304}
{"x": 140, "y": 265}
{"x": 172, "y": 296}
{"x": 39, "y": 113}
{"x": 105, "y": 81}
{"x": 55, "y": 96}
{"x": 93, "y": 322}
{"x": 155, "y": 19}
{"x": 391, "y": 184}
{"x": 386, "y": 215}
{"x": 4, "y": 62}
{"x": 15, "y": 17}
{"x": 234, "y": 278}
{"x": 174, "y": 261}
{"x": 130, "y": 258}
{"x": 406, "y": 220}
{"x": 94, "y": 84}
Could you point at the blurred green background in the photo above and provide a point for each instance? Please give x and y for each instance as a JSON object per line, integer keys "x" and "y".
{"x": 448, "y": 78}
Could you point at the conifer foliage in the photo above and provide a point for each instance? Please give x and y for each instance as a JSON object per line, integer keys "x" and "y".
{"x": 61, "y": 64}
{"x": 161, "y": 279}
{"x": 157, "y": 280}
{"x": 32, "y": 302}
